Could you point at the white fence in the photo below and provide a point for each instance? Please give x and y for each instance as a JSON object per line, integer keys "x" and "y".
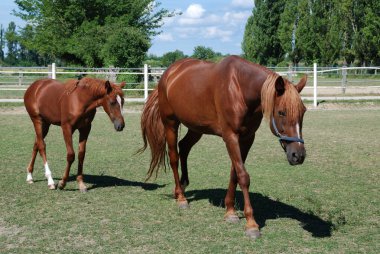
{"x": 327, "y": 83}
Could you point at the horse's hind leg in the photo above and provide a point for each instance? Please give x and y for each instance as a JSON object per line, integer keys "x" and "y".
{"x": 70, "y": 155}
{"x": 83, "y": 135}
{"x": 171, "y": 131}
{"x": 30, "y": 168}
{"x": 41, "y": 128}
{"x": 185, "y": 145}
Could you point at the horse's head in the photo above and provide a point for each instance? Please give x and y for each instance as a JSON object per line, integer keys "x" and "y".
{"x": 283, "y": 107}
{"x": 113, "y": 102}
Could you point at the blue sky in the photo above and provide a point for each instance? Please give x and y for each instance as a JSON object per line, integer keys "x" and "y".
{"x": 218, "y": 24}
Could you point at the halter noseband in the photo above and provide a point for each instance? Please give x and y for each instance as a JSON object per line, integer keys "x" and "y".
{"x": 283, "y": 137}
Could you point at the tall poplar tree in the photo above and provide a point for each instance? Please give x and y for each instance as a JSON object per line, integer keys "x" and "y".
{"x": 260, "y": 43}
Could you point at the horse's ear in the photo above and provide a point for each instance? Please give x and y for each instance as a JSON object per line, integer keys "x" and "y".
{"x": 301, "y": 84}
{"x": 122, "y": 84}
{"x": 280, "y": 86}
{"x": 108, "y": 87}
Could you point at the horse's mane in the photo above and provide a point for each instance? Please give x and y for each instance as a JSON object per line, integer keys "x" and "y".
{"x": 94, "y": 86}
{"x": 289, "y": 101}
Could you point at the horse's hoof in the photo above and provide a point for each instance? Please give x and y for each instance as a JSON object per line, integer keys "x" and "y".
{"x": 253, "y": 233}
{"x": 29, "y": 181}
{"x": 51, "y": 186}
{"x": 232, "y": 218}
{"x": 183, "y": 204}
{"x": 83, "y": 190}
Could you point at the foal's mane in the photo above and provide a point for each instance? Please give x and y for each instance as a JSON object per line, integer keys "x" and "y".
{"x": 94, "y": 86}
{"x": 290, "y": 101}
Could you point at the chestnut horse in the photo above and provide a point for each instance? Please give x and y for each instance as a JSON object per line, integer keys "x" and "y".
{"x": 72, "y": 106}
{"x": 227, "y": 99}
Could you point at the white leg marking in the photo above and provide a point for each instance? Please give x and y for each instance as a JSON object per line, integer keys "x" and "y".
{"x": 29, "y": 178}
{"x": 48, "y": 174}
{"x": 118, "y": 98}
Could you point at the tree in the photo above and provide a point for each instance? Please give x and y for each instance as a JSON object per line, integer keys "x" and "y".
{"x": 2, "y": 43}
{"x": 206, "y": 53}
{"x": 93, "y": 33}
{"x": 170, "y": 57}
{"x": 12, "y": 44}
{"x": 260, "y": 42}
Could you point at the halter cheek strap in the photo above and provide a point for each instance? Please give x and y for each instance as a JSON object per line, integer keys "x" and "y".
{"x": 283, "y": 137}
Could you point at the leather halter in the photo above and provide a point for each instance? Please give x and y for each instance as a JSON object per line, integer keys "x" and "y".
{"x": 284, "y": 137}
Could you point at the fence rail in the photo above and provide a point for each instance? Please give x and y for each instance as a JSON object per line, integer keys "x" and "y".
{"x": 326, "y": 83}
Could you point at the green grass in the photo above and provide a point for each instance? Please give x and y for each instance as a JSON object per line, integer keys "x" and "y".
{"x": 330, "y": 204}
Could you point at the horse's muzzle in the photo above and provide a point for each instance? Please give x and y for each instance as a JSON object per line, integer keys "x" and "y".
{"x": 295, "y": 153}
{"x": 119, "y": 125}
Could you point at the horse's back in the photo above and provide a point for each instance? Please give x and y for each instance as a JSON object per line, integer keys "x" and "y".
{"x": 197, "y": 92}
{"x": 42, "y": 99}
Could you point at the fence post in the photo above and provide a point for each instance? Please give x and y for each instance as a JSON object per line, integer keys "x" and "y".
{"x": 145, "y": 82}
{"x": 290, "y": 72}
{"x": 20, "y": 78}
{"x": 53, "y": 70}
{"x": 315, "y": 84}
{"x": 344, "y": 79}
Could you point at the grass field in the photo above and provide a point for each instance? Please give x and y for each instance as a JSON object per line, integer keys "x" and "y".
{"x": 330, "y": 204}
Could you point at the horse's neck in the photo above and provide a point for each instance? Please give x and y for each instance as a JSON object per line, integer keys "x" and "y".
{"x": 94, "y": 101}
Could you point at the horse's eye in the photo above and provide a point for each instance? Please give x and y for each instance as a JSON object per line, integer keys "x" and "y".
{"x": 281, "y": 113}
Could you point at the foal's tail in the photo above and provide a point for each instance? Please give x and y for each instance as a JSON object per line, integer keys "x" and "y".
{"x": 153, "y": 134}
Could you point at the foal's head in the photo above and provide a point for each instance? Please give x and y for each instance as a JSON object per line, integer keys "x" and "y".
{"x": 112, "y": 102}
{"x": 283, "y": 107}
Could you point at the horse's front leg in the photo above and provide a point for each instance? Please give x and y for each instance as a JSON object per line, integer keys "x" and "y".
{"x": 67, "y": 135}
{"x": 232, "y": 142}
{"x": 245, "y": 145}
{"x": 83, "y": 135}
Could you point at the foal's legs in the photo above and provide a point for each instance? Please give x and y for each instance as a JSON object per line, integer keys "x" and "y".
{"x": 185, "y": 145}
{"x": 67, "y": 135}
{"x": 230, "y": 216}
{"x": 83, "y": 135}
{"x": 232, "y": 142}
{"x": 171, "y": 131}
{"x": 41, "y": 128}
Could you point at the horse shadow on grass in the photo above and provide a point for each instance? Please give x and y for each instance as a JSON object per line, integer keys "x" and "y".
{"x": 105, "y": 181}
{"x": 266, "y": 209}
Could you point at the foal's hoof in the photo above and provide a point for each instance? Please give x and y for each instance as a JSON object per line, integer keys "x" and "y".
{"x": 29, "y": 181}
{"x": 51, "y": 186}
{"x": 253, "y": 233}
{"x": 231, "y": 218}
{"x": 83, "y": 190}
{"x": 61, "y": 185}
{"x": 183, "y": 204}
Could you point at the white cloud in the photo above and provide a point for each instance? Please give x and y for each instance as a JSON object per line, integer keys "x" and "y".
{"x": 236, "y": 18}
{"x": 214, "y": 32}
{"x": 194, "y": 11}
{"x": 193, "y": 15}
{"x": 243, "y": 3}
{"x": 165, "y": 37}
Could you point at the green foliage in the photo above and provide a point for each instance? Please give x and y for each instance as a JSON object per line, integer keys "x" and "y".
{"x": 326, "y": 32}
{"x": 261, "y": 43}
{"x": 205, "y": 53}
{"x": 93, "y": 33}
{"x": 170, "y": 57}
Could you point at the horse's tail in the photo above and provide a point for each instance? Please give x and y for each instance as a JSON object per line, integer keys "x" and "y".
{"x": 153, "y": 134}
